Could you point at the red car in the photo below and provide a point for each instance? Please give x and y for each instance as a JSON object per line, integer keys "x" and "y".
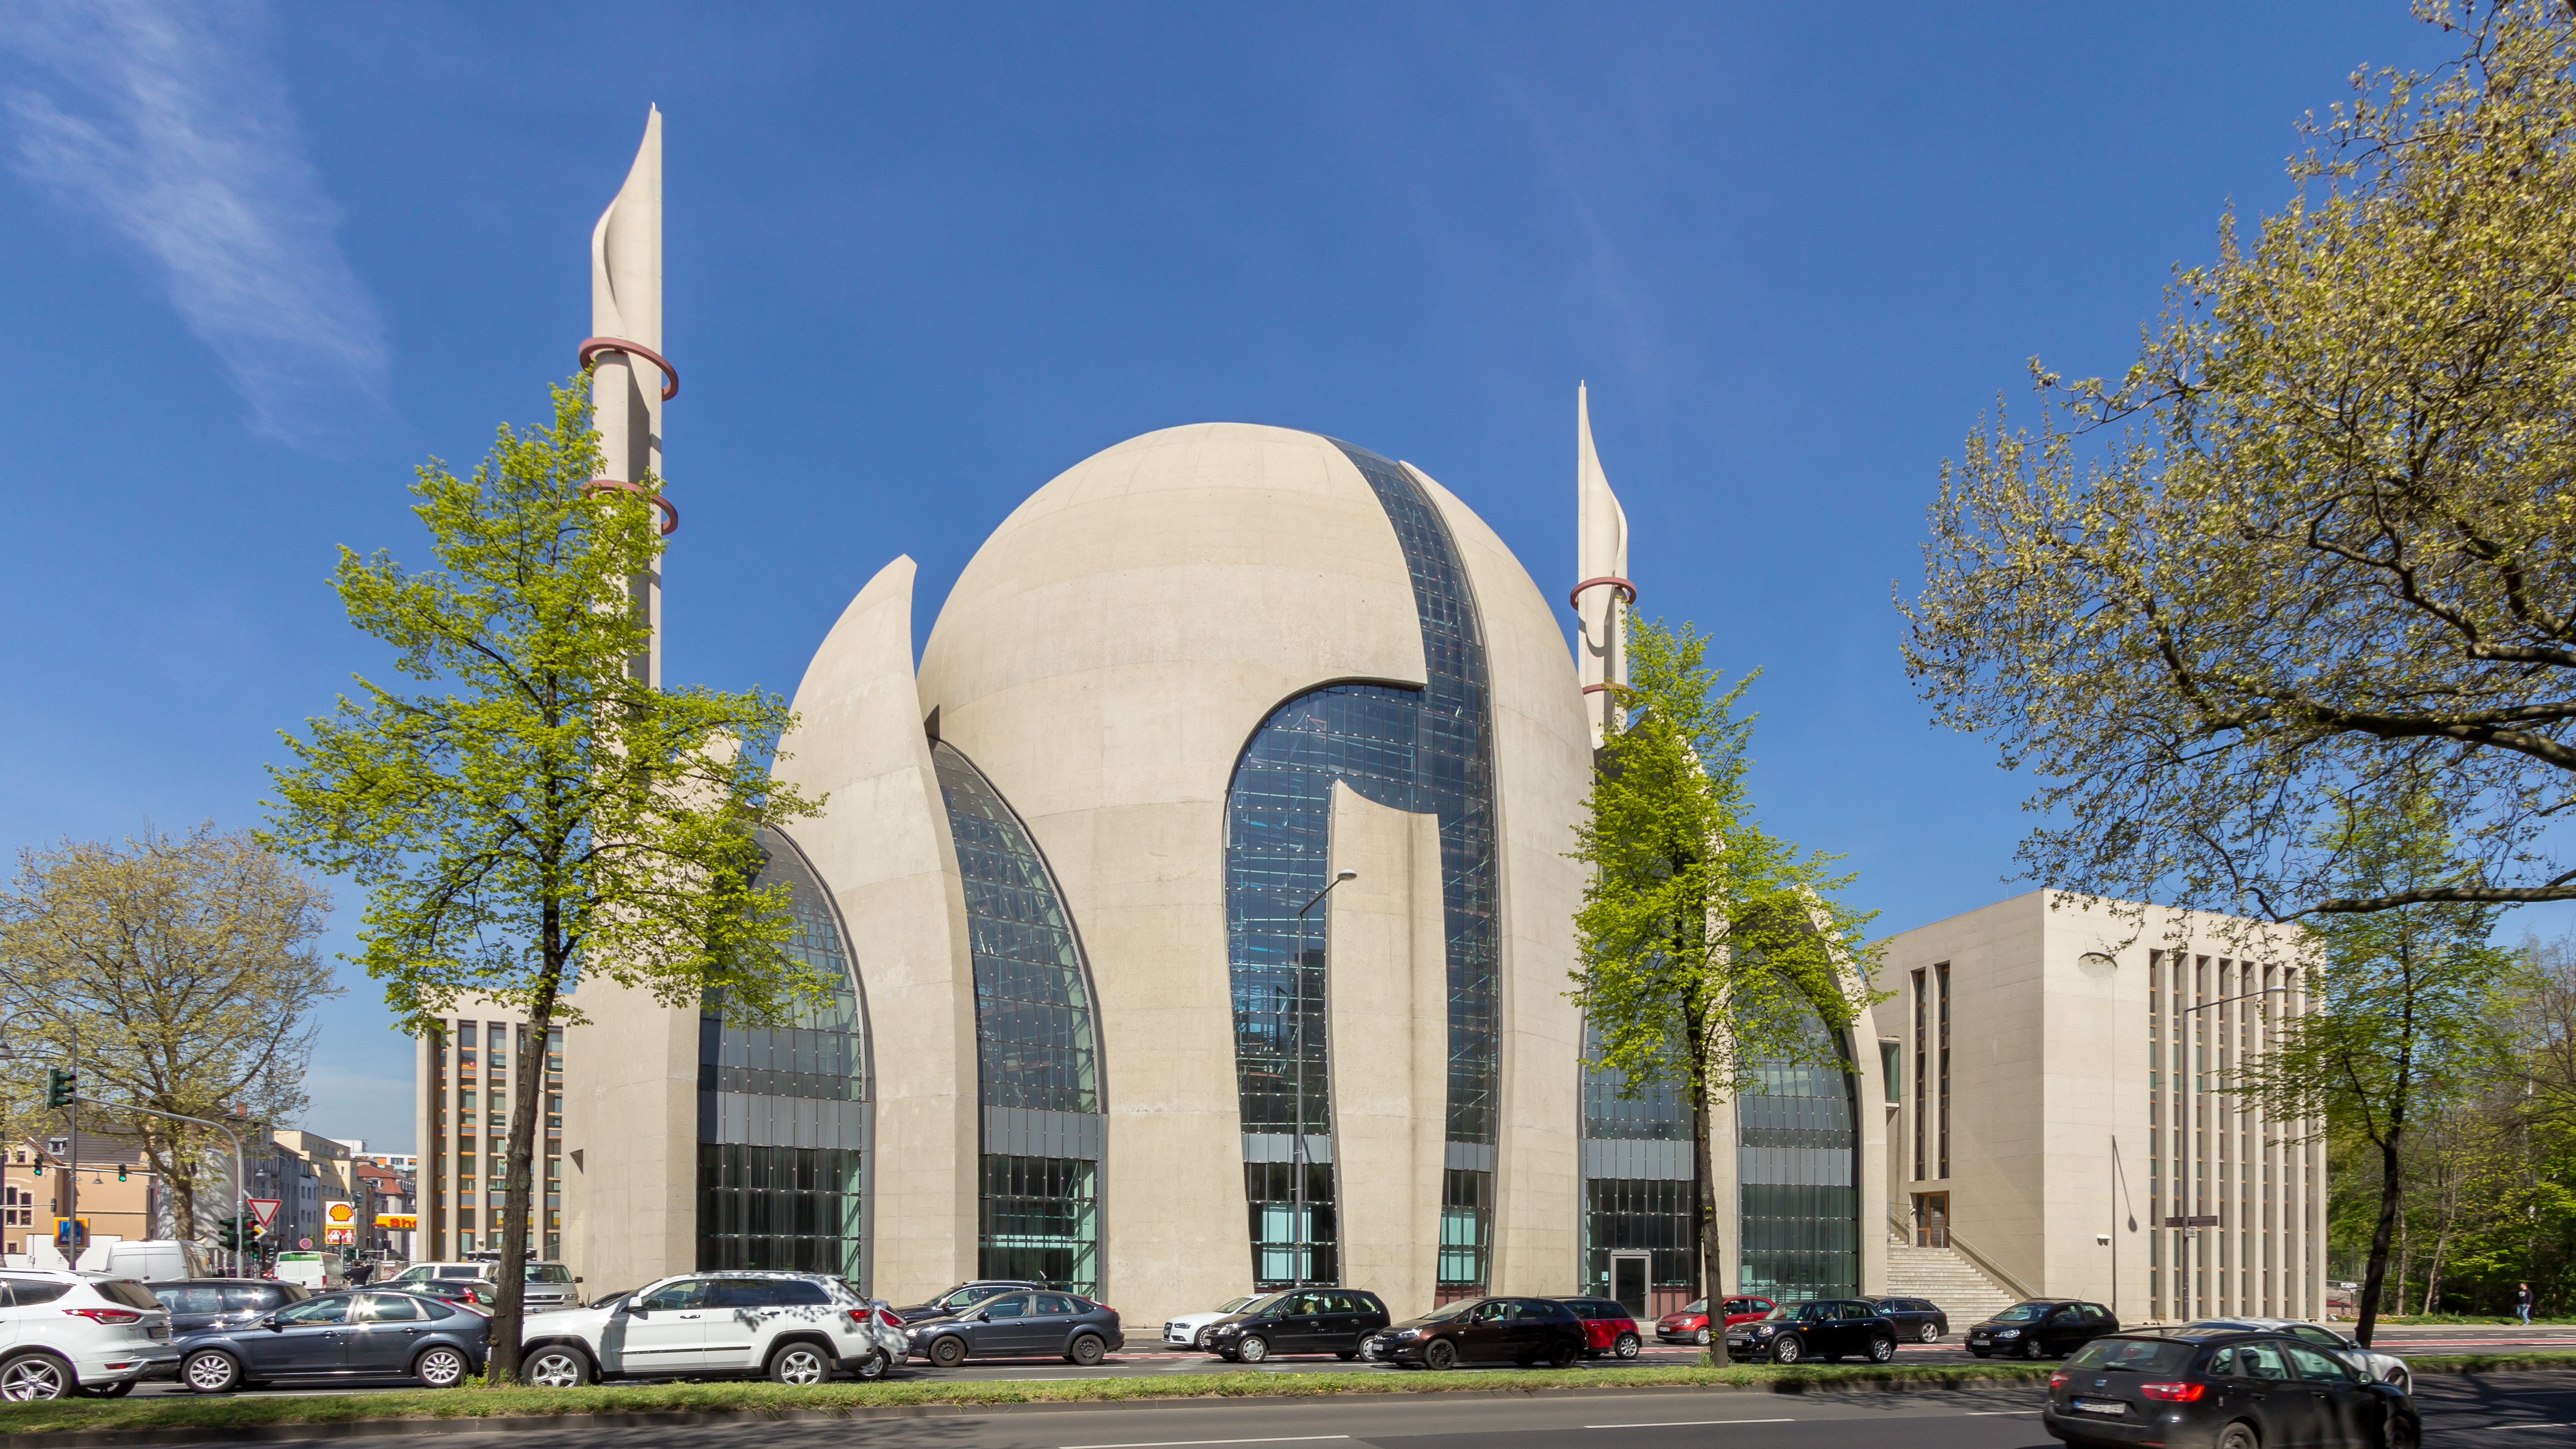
{"x": 1691, "y": 1324}
{"x": 1607, "y": 1328}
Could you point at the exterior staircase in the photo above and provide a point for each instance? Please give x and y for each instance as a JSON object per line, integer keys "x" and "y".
{"x": 1948, "y": 1279}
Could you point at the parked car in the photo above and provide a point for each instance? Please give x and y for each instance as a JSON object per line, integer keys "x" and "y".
{"x": 1918, "y": 1319}
{"x": 549, "y": 1286}
{"x": 1828, "y": 1328}
{"x": 366, "y": 1333}
{"x": 471, "y": 1293}
{"x": 1301, "y": 1320}
{"x": 1691, "y": 1324}
{"x": 1607, "y": 1327}
{"x": 794, "y": 1327}
{"x": 2388, "y": 1368}
{"x": 1482, "y": 1330}
{"x": 64, "y": 1333}
{"x": 2225, "y": 1389}
{"x": 1190, "y": 1329}
{"x": 959, "y": 1297}
{"x": 214, "y": 1302}
{"x": 1016, "y": 1323}
{"x": 2042, "y": 1328}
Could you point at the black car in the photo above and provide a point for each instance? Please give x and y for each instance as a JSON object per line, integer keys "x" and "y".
{"x": 1919, "y": 1319}
{"x": 362, "y": 1334}
{"x": 1482, "y": 1330}
{"x": 2223, "y": 1390}
{"x": 196, "y": 1303}
{"x": 959, "y": 1297}
{"x": 1828, "y": 1328}
{"x": 1015, "y": 1324}
{"x": 1301, "y": 1320}
{"x": 2042, "y": 1328}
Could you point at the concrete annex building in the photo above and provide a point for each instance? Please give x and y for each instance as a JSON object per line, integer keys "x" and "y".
{"x": 1096, "y": 1024}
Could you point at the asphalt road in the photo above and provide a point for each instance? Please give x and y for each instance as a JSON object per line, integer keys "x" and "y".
{"x": 1152, "y": 1360}
{"x": 2496, "y": 1410}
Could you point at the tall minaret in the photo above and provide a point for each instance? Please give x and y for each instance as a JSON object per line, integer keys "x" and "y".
{"x": 630, "y": 380}
{"x": 1602, "y": 599}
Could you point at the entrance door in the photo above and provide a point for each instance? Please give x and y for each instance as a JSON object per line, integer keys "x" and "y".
{"x": 1931, "y": 1220}
{"x": 1628, "y": 1279}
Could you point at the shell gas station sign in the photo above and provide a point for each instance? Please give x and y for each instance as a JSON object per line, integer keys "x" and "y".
{"x": 339, "y": 1222}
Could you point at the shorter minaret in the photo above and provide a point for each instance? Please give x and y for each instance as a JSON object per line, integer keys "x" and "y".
{"x": 629, "y": 379}
{"x": 1602, "y": 599}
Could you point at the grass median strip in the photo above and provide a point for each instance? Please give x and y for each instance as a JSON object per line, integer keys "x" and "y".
{"x": 247, "y": 1410}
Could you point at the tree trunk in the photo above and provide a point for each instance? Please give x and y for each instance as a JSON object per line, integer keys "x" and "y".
{"x": 1712, "y": 1259}
{"x": 527, "y": 1092}
{"x": 2391, "y": 1183}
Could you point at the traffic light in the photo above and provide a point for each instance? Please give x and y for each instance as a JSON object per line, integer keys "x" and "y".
{"x": 60, "y": 1087}
{"x": 120, "y": 1172}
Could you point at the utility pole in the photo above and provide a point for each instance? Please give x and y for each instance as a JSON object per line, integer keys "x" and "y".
{"x": 1297, "y": 1150}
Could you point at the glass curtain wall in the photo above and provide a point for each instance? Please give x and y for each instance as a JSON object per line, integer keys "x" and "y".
{"x": 1640, "y": 1183}
{"x": 1798, "y": 1166}
{"x": 1426, "y": 751}
{"x": 784, "y": 1122}
{"x": 1035, "y": 1050}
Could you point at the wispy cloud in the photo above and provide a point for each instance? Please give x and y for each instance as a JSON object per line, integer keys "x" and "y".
{"x": 170, "y": 122}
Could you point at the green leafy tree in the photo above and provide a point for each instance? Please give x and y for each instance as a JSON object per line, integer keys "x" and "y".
{"x": 534, "y": 803}
{"x": 2319, "y": 541}
{"x": 2402, "y": 1014}
{"x": 1709, "y": 948}
{"x": 181, "y": 972}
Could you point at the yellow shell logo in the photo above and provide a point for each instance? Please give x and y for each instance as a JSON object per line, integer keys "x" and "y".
{"x": 342, "y": 1214}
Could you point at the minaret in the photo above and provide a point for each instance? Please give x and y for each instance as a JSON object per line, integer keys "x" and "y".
{"x": 1602, "y": 599}
{"x": 630, "y": 380}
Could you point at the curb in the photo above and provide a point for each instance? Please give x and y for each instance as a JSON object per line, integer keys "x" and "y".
{"x": 386, "y": 1428}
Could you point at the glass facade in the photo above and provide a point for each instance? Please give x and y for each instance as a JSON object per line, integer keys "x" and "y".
{"x": 1798, "y": 1171}
{"x": 1428, "y": 751}
{"x": 783, "y": 1115}
{"x": 1035, "y": 1048}
{"x": 1633, "y": 1214}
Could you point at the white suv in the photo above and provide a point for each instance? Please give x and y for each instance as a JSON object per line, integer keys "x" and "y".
{"x": 64, "y": 1333}
{"x": 794, "y": 1327}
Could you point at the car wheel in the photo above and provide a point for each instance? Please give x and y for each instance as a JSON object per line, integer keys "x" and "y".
{"x": 1929, "y": 1333}
{"x": 2239, "y": 1435}
{"x": 440, "y": 1367}
{"x": 211, "y": 1371}
{"x": 948, "y": 1352}
{"x": 1881, "y": 1349}
{"x": 1703, "y": 1338}
{"x": 556, "y": 1368}
{"x": 1787, "y": 1349}
{"x": 2402, "y": 1433}
{"x": 34, "y": 1376}
{"x": 116, "y": 1390}
{"x": 800, "y": 1364}
{"x": 1626, "y": 1346}
{"x": 1253, "y": 1349}
{"x": 2033, "y": 1349}
{"x": 1088, "y": 1351}
{"x": 1563, "y": 1354}
{"x": 1440, "y": 1353}
{"x": 1201, "y": 1342}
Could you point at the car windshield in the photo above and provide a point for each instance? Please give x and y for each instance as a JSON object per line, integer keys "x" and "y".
{"x": 1262, "y": 1304}
{"x": 2023, "y": 1313}
{"x": 1701, "y": 1306}
{"x": 965, "y": 1298}
{"x": 2136, "y": 1355}
{"x": 549, "y": 1273}
{"x": 1451, "y": 1310}
{"x": 1234, "y": 1305}
{"x": 1783, "y": 1312}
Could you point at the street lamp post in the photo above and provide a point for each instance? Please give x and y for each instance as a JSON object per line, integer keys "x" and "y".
{"x": 1297, "y": 1150}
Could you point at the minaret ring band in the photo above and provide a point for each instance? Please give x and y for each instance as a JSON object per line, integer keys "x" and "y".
{"x": 1622, "y": 585}
{"x": 670, "y": 513}
{"x": 591, "y": 347}
{"x": 1599, "y": 688}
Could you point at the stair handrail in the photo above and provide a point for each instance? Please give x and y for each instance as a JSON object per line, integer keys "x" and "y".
{"x": 1979, "y": 1261}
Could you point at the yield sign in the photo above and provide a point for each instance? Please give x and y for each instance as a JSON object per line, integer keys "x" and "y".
{"x": 263, "y": 1210}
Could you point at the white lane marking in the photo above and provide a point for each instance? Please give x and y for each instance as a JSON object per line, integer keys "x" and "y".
{"x": 1177, "y": 1443}
{"x": 1673, "y": 1424}
{"x": 2564, "y": 1424}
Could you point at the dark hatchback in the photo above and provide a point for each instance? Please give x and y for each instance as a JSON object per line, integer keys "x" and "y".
{"x": 1300, "y": 1320}
{"x": 1829, "y": 1329}
{"x": 1917, "y": 1320}
{"x": 361, "y": 1334}
{"x": 1482, "y": 1330}
{"x": 2223, "y": 1390}
{"x": 2041, "y": 1328}
{"x": 196, "y": 1303}
{"x": 1015, "y": 1324}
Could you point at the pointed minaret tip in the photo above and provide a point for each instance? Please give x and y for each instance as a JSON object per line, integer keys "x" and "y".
{"x": 1602, "y": 592}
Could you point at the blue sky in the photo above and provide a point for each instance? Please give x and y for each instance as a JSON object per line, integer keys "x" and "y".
{"x": 257, "y": 262}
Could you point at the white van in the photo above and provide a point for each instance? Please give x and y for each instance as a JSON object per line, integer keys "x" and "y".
{"x": 304, "y": 1269}
{"x": 146, "y": 1260}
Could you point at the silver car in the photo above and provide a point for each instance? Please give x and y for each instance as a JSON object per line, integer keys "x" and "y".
{"x": 549, "y": 1286}
{"x": 2387, "y": 1368}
